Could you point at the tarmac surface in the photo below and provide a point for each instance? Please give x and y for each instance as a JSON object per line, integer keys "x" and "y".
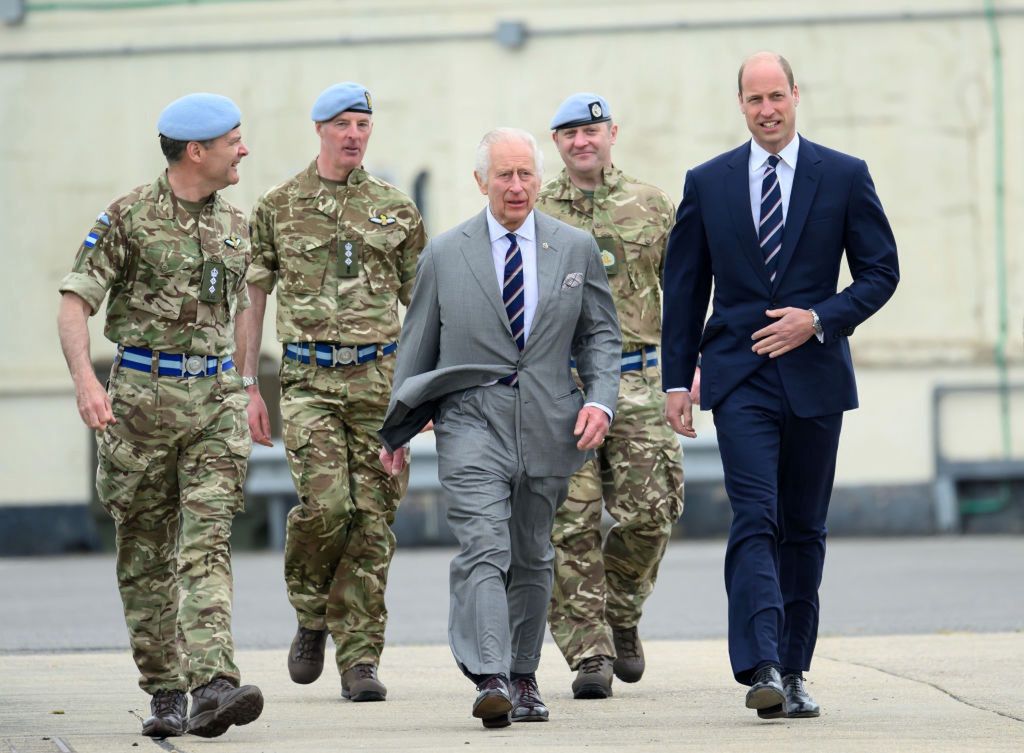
{"x": 922, "y": 649}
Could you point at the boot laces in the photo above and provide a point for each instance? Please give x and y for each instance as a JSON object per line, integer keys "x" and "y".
{"x": 309, "y": 644}
{"x": 629, "y": 638}
{"x": 166, "y": 702}
{"x": 794, "y": 683}
{"x": 593, "y": 664}
{"x": 365, "y": 671}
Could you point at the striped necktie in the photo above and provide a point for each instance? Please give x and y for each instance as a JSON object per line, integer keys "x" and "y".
{"x": 769, "y": 232}
{"x": 513, "y": 293}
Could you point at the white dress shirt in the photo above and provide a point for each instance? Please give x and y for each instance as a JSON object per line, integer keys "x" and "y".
{"x": 526, "y": 237}
{"x": 785, "y": 170}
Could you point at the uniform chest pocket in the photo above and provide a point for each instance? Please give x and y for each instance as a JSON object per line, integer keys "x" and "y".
{"x": 235, "y": 267}
{"x": 304, "y": 263}
{"x": 380, "y": 260}
{"x": 164, "y": 279}
{"x": 642, "y": 249}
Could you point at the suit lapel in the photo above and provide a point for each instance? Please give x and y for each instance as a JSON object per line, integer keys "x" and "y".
{"x": 805, "y": 186}
{"x": 737, "y": 188}
{"x": 476, "y": 250}
{"x": 548, "y": 264}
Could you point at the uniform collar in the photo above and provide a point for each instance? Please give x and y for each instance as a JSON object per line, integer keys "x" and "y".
{"x": 310, "y": 185}
{"x": 563, "y": 189}
{"x": 165, "y": 202}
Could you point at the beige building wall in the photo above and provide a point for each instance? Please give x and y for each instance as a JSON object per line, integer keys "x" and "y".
{"x": 913, "y": 97}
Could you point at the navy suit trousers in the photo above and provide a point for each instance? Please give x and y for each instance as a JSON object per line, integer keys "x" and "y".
{"x": 779, "y": 470}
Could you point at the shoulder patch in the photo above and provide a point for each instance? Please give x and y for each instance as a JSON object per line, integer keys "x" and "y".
{"x": 98, "y": 231}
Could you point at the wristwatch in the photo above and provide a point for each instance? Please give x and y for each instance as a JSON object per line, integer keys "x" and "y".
{"x": 249, "y": 381}
{"x": 816, "y": 323}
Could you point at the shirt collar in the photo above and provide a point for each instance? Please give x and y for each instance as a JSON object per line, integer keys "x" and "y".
{"x": 496, "y": 230}
{"x": 759, "y": 155}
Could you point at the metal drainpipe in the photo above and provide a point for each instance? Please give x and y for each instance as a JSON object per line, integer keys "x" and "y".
{"x": 1000, "y": 229}
{"x": 998, "y": 501}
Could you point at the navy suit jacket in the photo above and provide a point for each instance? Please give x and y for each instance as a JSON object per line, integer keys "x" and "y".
{"x": 833, "y": 208}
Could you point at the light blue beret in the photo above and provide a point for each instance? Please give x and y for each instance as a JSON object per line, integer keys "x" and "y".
{"x": 199, "y": 117}
{"x": 580, "y": 109}
{"x": 341, "y": 97}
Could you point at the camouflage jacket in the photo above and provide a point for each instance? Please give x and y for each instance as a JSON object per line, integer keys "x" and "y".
{"x": 630, "y": 221}
{"x": 154, "y": 258}
{"x": 344, "y": 259}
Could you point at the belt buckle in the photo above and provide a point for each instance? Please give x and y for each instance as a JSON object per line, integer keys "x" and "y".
{"x": 343, "y": 355}
{"x": 195, "y": 365}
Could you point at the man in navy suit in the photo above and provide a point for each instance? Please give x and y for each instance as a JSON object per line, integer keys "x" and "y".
{"x": 768, "y": 223}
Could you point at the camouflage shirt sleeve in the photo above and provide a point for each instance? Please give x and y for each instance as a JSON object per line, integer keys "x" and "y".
{"x": 263, "y": 270}
{"x": 669, "y": 215}
{"x": 409, "y": 253}
{"x": 101, "y": 259}
{"x": 242, "y": 289}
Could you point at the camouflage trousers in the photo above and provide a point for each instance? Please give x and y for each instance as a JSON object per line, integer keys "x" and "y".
{"x": 638, "y": 473}
{"x": 171, "y": 472}
{"x": 339, "y": 540}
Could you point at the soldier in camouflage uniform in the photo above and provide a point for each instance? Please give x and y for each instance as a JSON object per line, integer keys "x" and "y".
{"x": 173, "y": 442}
{"x": 599, "y": 592}
{"x": 341, "y": 246}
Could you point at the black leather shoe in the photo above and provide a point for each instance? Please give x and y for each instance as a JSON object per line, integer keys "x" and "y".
{"x": 765, "y": 690}
{"x": 799, "y": 704}
{"x": 527, "y": 705}
{"x": 493, "y": 702}
{"x": 169, "y": 713}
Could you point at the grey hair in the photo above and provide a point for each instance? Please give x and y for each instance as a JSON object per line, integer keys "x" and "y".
{"x": 501, "y": 135}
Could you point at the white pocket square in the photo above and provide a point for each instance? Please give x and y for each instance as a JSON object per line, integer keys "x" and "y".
{"x": 572, "y": 280}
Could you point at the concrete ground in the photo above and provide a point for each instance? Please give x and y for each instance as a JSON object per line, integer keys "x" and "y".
{"x": 922, "y": 649}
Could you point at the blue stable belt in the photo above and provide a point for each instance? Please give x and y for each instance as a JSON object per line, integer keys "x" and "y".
{"x": 330, "y": 354}
{"x": 174, "y": 364}
{"x": 635, "y": 360}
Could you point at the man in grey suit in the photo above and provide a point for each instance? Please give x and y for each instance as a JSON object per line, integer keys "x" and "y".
{"x": 501, "y": 303}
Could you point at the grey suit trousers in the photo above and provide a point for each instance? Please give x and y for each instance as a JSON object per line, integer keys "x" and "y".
{"x": 500, "y": 580}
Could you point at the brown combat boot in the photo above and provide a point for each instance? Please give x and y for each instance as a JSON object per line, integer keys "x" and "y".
{"x": 219, "y": 704}
{"x": 593, "y": 678}
{"x": 306, "y": 656}
{"x": 169, "y": 710}
{"x": 360, "y": 683}
{"x": 629, "y": 654}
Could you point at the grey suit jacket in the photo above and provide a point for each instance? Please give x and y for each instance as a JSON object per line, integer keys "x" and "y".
{"x": 456, "y": 336}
